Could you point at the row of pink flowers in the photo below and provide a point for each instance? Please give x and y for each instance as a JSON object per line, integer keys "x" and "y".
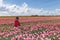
{"x": 44, "y": 32}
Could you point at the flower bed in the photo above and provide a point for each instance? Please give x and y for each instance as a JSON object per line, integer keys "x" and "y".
{"x": 32, "y": 32}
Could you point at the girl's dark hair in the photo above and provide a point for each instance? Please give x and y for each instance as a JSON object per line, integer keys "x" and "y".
{"x": 17, "y": 17}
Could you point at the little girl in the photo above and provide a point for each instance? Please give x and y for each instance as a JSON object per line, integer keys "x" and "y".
{"x": 16, "y": 22}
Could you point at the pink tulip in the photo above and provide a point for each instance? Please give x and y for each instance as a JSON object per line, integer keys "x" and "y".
{"x": 13, "y": 38}
{"x": 25, "y": 38}
{"x": 41, "y": 38}
{"x": 19, "y": 36}
{"x": 58, "y": 38}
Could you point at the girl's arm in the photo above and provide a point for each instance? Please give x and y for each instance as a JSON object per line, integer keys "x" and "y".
{"x": 19, "y": 23}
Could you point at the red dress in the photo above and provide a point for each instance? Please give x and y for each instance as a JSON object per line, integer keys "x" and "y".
{"x": 16, "y": 23}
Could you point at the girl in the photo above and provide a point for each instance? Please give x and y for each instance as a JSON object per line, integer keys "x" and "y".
{"x": 16, "y": 22}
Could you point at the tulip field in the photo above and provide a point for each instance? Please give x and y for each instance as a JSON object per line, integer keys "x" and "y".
{"x": 32, "y": 28}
